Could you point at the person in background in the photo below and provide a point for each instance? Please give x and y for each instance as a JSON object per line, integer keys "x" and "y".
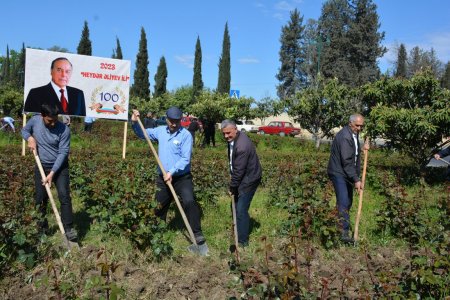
{"x": 440, "y": 155}
{"x": 193, "y": 127}
{"x": 88, "y": 123}
{"x": 174, "y": 151}
{"x": 149, "y": 121}
{"x": 344, "y": 169}
{"x": 51, "y": 139}
{"x": 209, "y": 129}
{"x": 246, "y": 172}
{"x": 8, "y": 122}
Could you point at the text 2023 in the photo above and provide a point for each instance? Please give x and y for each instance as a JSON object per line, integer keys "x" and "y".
{"x": 107, "y": 66}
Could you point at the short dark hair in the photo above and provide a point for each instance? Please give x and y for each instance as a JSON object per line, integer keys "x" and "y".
{"x": 58, "y": 59}
{"x": 48, "y": 110}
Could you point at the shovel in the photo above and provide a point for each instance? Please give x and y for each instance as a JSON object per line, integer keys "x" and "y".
{"x": 194, "y": 248}
{"x": 363, "y": 180}
{"x": 68, "y": 243}
{"x": 448, "y": 163}
{"x": 235, "y": 233}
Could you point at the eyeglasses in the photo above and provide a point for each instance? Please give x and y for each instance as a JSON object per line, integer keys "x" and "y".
{"x": 358, "y": 125}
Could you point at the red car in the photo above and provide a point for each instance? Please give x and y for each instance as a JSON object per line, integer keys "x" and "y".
{"x": 185, "y": 121}
{"x": 280, "y": 128}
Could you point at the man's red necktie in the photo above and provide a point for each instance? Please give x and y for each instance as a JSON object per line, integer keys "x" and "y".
{"x": 64, "y": 104}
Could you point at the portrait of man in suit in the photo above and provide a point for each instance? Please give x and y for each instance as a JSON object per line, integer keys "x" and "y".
{"x": 69, "y": 100}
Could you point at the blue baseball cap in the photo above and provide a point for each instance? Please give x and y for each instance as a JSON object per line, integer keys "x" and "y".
{"x": 174, "y": 113}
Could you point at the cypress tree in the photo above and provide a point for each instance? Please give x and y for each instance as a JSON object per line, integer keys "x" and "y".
{"x": 445, "y": 79}
{"x": 5, "y": 75}
{"x": 197, "y": 82}
{"x": 292, "y": 57}
{"x": 224, "y": 81}
{"x": 401, "y": 62}
{"x": 141, "y": 85}
{"x": 118, "y": 49}
{"x": 85, "y": 45}
{"x": 21, "y": 68}
{"x": 365, "y": 42}
{"x": 161, "y": 78}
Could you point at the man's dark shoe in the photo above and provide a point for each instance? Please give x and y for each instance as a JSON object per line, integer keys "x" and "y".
{"x": 200, "y": 239}
{"x": 346, "y": 238}
{"x": 72, "y": 235}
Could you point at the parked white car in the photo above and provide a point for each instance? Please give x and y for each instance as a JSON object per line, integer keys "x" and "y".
{"x": 246, "y": 126}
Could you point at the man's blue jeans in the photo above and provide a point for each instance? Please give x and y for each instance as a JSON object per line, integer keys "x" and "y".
{"x": 344, "y": 199}
{"x": 242, "y": 217}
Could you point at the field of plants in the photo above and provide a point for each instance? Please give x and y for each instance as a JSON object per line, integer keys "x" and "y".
{"x": 294, "y": 252}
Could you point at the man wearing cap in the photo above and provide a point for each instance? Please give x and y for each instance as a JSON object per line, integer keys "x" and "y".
{"x": 175, "y": 149}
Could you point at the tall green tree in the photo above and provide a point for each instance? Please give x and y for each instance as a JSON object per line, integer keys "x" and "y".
{"x": 421, "y": 60}
{"x": 292, "y": 56}
{"x": 334, "y": 23}
{"x": 224, "y": 81}
{"x": 6, "y": 65}
{"x": 314, "y": 44}
{"x": 365, "y": 42}
{"x": 141, "y": 85}
{"x": 445, "y": 79}
{"x": 117, "y": 52}
{"x": 17, "y": 76}
{"x": 85, "y": 45}
{"x": 401, "y": 63}
{"x": 161, "y": 78}
{"x": 355, "y": 41}
{"x": 197, "y": 82}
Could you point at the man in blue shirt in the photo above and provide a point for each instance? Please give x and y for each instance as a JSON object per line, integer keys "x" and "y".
{"x": 174, "y": 150}
{"x": 8, "y": 121}
{"x": 51, "y": 139}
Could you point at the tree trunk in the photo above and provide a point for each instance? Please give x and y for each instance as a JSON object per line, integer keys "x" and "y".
{"x": 317, "y": 139}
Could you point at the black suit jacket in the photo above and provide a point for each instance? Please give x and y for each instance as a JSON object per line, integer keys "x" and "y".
{"x": 46, "y": 95}
{"x": 247, "y": 171}
{"x": 342, "y": 159}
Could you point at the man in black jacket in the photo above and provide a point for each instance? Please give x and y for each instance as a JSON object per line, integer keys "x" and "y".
{"x": 344, "y": 170}
{"x": 441, "y": 154}
{"x": 245, "y": 171}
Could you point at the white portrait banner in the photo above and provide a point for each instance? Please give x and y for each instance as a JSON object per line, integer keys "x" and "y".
{"x": 95, "y": 86}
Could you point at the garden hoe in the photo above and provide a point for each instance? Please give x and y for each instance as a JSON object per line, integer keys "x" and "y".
{"x": 363, "y": 181}
{"x": 448, "y": 163}
{"x": 194, "y": 248}
{"x": 235, "y": 233}
{"x": 68, "y": 243}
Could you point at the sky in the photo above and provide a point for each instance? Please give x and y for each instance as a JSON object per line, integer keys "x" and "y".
{"x": 172, "y": 28}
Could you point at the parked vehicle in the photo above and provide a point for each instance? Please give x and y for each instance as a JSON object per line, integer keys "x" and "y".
{"x": 246, "y": 126}
{"x": 185, "y": 121}
{"x": 280, "y": 128}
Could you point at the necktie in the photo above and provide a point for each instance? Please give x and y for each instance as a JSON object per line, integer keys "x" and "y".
{"x": 64, "y": 104}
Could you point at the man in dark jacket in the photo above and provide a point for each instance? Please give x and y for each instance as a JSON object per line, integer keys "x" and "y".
{"x": 440, "y": 155}
{"x": 245, "y": 171}
{"x": 344, "y": 170}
